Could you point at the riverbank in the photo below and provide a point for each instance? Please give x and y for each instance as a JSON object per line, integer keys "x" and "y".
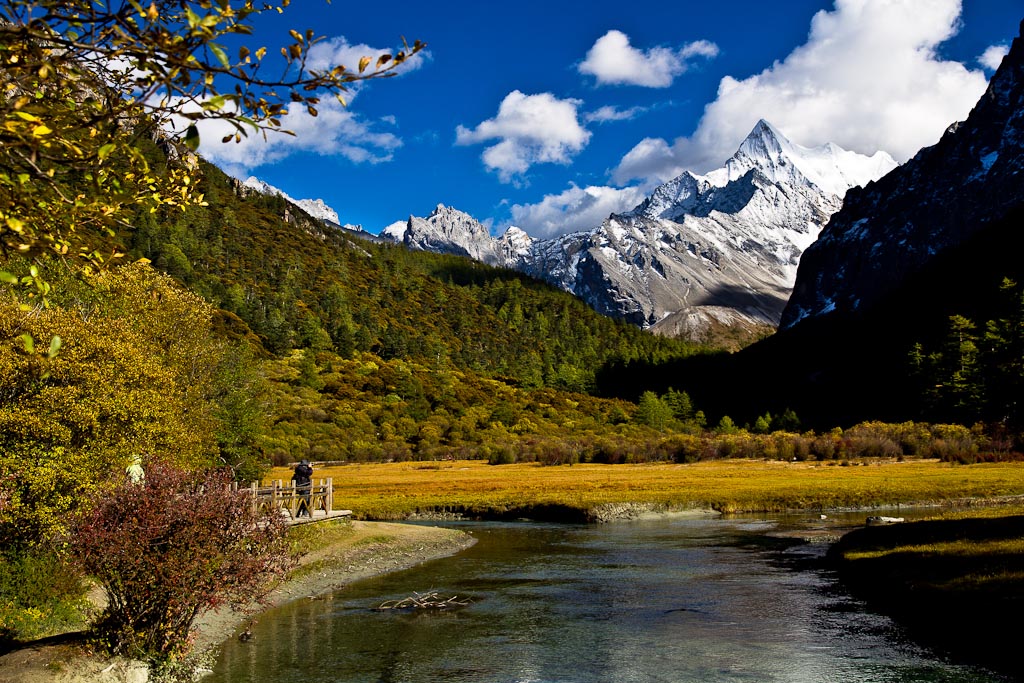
{"x": 956, "y": 584}
{"x": 336, "y": 554}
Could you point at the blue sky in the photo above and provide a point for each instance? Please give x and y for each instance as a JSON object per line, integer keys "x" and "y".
{"x": 551, "y": 115}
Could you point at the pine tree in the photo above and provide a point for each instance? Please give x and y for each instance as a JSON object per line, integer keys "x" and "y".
{"x": 653, "y": 411}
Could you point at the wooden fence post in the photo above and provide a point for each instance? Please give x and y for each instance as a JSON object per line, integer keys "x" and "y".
{"x": 330, "y": 495}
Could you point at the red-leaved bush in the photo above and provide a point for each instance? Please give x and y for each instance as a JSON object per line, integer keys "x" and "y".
{"x": 170, "y": 547}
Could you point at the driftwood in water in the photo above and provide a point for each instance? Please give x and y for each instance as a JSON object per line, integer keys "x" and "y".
{"x": 425, "y": 601}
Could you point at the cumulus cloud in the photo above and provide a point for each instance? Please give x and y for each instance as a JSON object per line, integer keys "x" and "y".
{"x": 992, "y": 57}
{"x": 613, "y": 61}
{"x": 336, "y": 131}
{"x": 611, "y": 113}
{"x": 868, "y": 78}
{"x": 529, "y": 129}
{"x": 573, "y": 210}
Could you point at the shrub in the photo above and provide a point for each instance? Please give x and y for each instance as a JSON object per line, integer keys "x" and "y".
{"x": 170, "y": 548}
{"x": 824, "y": 447}
{"x": 40, "y": 595}
{"x": 499, "y": 455}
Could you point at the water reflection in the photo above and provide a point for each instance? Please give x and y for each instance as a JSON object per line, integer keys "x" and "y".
{"x": 672, "y": 600}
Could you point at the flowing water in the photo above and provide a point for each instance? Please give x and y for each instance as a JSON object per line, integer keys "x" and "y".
{"x": 670, "y": 600}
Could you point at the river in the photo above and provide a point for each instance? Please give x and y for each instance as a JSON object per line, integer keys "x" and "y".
{"x": 669, "y": 600}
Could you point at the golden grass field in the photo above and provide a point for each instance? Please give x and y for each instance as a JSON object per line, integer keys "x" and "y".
{"x": 388, "y": 491}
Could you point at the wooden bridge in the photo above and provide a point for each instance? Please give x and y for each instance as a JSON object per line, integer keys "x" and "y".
{"x": 302, "y": 504}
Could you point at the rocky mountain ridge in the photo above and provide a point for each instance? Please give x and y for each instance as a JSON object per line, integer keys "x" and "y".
{"x": 701, "y": 252}
{"x": 316, "y": 208}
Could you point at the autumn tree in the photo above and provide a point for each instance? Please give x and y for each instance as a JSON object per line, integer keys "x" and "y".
{"x": 139, "y": 373}
{"x": 82, "y": 82}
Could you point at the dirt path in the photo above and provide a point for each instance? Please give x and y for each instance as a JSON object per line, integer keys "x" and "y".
{"x": 348, "y": 553}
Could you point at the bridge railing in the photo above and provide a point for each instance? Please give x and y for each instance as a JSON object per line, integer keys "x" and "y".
{"x": 319, "y": 495}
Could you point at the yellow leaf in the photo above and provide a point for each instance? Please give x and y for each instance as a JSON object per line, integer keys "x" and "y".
{"x": 363, "y": 63}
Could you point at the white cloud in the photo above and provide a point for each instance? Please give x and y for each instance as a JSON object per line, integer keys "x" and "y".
{"x": 992, "y": 57}
{"x": 611, "y": 113}
{"x": 651, "y": 159}
{"x": 335, "y": 131}
{"x": 613, "y": 61}
{"x": 530, "y": 129}
{"x": 868, "y": 78}
{"x": 574, "y": 210}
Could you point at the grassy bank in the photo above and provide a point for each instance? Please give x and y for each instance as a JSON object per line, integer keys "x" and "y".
{"x": 397, "y": 490}
{"x": 956, "y": 582}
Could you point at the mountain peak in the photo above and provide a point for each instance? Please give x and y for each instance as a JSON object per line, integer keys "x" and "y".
{"x": 316, "y": 208}
{"x": 829, "y": 167}
{"x": 447, "y": 230}
{"x": 764, "y": 140}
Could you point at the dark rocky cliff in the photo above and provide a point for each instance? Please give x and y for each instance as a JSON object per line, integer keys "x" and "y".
{"x": 891, "y": 229}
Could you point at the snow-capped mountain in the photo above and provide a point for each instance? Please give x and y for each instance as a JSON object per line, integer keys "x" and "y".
{"x": 314, "y": 207}
{"x": 447, "y": 231}
{"x": 719, "y": 249}
{"x": 936, "y": 201}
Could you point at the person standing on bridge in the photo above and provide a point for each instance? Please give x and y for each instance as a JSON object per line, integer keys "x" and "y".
{"x": 303, "y": 479}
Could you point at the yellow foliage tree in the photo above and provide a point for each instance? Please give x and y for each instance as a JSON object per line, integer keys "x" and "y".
{"x": 83, "y": 82}
{"x": 134, "y": 377}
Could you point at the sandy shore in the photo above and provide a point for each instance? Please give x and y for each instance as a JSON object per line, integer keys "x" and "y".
{"x": 362, "y": 550}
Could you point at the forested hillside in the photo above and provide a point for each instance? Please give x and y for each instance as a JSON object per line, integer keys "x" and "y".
{"x": 374, "y": 351}
{"x": 297, "y": 284}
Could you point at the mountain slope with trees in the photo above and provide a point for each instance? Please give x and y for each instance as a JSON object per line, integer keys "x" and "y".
{"x": 297, "y": 284}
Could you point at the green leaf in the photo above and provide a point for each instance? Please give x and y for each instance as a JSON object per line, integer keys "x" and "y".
{"x": 219, "y": 53}
{"x": 215, "y": 103}
{"x": 105, "y": 150}
{"x": 8, "y": 278}
{"x": 28, "y": 342}
{"x": 55, "y": 345}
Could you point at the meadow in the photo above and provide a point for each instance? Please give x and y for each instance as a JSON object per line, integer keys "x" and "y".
{"x": 390, "y": 491}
